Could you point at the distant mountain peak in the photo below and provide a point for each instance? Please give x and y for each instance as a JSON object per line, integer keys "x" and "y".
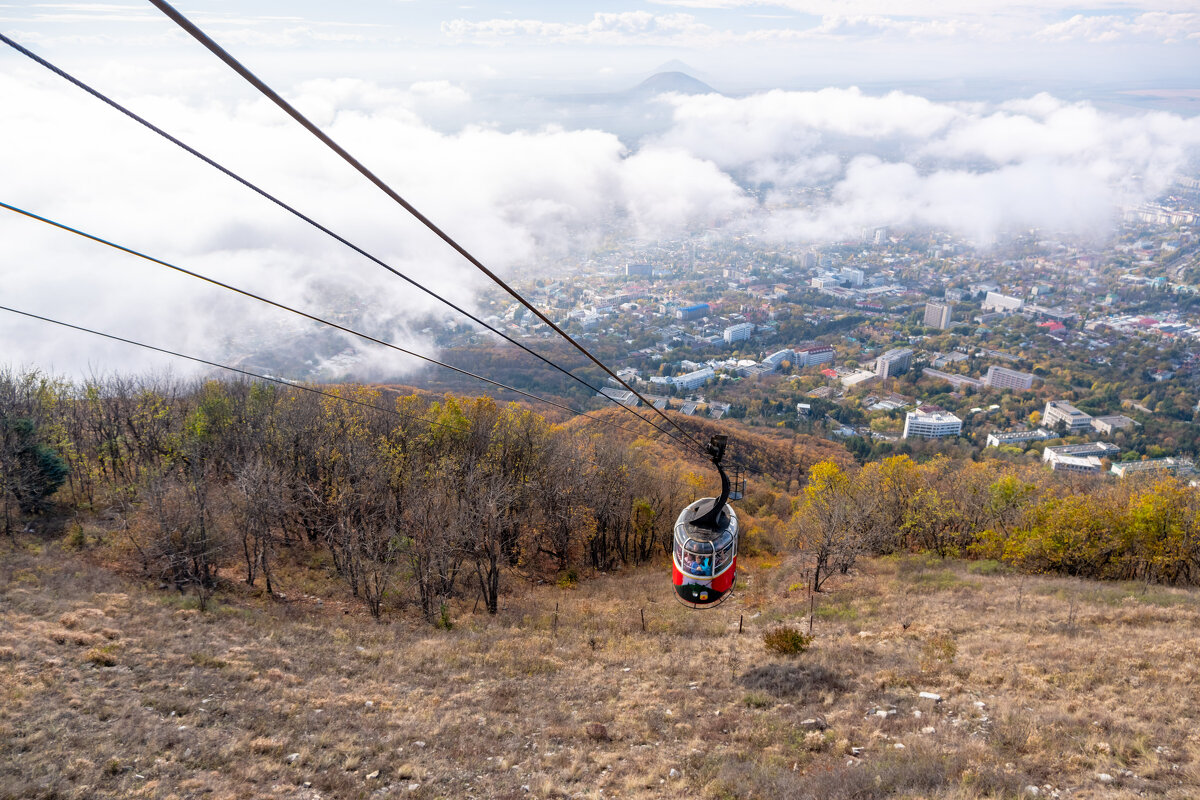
{"x": 675, "y": 65}
{"x": 678, "y": 82}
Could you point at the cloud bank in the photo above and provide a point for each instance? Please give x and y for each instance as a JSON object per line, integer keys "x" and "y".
{"x": 793, "y": 167}
{"x": 975, "y": 169}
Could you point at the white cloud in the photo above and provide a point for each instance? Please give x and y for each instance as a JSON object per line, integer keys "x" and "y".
{"x": 900, "y": 159}
{"x": 1158, "y": 26}
{"x": 839, "y": 20}
{"x": 669, "y": 190}
{"x": 512, "y": 198}
{"x": 623, "y": 28}
{"x": 828, "y": 162}
{"x": 927, "y": 8}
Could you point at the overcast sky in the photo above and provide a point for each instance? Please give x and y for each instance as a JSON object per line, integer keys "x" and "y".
{"x": 741, "y": 43}
{"x": 979, "y": 122}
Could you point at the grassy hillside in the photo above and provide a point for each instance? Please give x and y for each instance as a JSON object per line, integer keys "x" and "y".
{"x": 113, "y": 688}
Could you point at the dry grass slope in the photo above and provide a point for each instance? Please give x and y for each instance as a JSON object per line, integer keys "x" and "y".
{"x": 112, "y": 689}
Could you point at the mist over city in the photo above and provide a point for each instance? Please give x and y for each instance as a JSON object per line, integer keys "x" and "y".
{"x": 527, "y": 169}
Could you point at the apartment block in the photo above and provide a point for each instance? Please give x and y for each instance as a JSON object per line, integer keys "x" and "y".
{"x": 1176, "y": 466}
{"x": 998, "y": 438}
{"x": 1057, "y": 411}
{"x": 926, "y": 423}
{"x": 1003, "y": 378}
{"x": 894, "y": 362}
{"x": 738, "y": 333}
{"x": 1001, "y": 302}
{"x": 938, "y": 315}
{"x": 1079, "y": 457}
{"x": 813, "y": 354}
{"x": 1111, "y": 423}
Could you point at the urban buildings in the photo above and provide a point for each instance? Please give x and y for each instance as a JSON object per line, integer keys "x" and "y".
{"x": 738, "y": 333}
{"x": 1125, "y": 469}
{"x": 938, "y": 315}
{"x": 957, "y": 381}
{"x": 1001, "y": 302}
{"x": 1002, "y": 378}
{"x": 1057, "y": 412}
{"x": 694, "y": 380}
{"x": 696, "y": 311}
{"x": 853, "y": 276}
{"x": 622, "y": 396}
{"x": 1112, "y": 422}
{"x": 776, "y": 359}
{"x": 813, "y": 354}
{"x": 639, "y": 271}
{"x": 1079, "y": 457}
{"x": 998, "y": 438}
{"x": 894, "y": 362}
{"x": 931, "y": 423}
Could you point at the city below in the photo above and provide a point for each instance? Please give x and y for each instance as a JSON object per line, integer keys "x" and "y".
{"x": 1039, "y": 346}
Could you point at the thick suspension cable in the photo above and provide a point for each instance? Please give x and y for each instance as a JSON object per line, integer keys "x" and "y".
{"x": 306, "y": 315}
{"x": 300, "y": 215}
{"x": 200, "y": 36}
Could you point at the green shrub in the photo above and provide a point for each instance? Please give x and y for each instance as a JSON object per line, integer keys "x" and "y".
{"x": 757, "y": 700}
{"x": 443, "y": 621}
{"x": 987, "y": 566}
{"x": 787, "y": 640}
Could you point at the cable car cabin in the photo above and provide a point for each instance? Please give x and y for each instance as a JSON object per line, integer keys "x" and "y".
{"x": 705, "y": 561}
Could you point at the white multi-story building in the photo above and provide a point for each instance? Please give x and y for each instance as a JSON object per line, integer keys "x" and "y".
{"x": 814, "y": 354}
{"x": 776, "y": 359}
{"x": 1079, "y": 457}
{"x": 1060, "y": 463}
{"x": 938, "y": 315}
{"x": 694, "y": 380}
{"x": 1001, "y": 302}
{"x": 957, "y": 381}
{"x": 997, "y": 438}
{"x": 1112, "y": 422}
{"x": 1057, "y": 411}
{"x": 738, "y": 333}
{"x": 853, "y": 276}
{"x": 931, "y": 424}
{"x": 894, "y": 362}
{"x": 1125, "y": 469}
{"x": 1003, "y": 378}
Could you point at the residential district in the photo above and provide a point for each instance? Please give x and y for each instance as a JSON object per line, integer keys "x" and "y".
{"x": 1083, "y": 354}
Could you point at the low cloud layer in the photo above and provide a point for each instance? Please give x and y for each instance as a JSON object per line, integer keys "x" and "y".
{"x": 978, "y": 170}
{"x": 796, "y": 167}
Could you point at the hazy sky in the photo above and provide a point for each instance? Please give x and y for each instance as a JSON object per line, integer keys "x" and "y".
{"x": 981, "y": 121}
{"x": 741, "y": 44}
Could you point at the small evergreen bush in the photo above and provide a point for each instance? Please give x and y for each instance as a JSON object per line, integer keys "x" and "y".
{"x": 787, "y": 640}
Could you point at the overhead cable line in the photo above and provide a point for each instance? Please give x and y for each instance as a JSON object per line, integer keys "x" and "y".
{"x": 308, "y": 316}
{"x": 300, "y": 215}
{"x": 200, "y": 36}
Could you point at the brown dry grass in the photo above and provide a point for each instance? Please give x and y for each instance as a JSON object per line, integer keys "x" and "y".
{"x": 112, "y": 689}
